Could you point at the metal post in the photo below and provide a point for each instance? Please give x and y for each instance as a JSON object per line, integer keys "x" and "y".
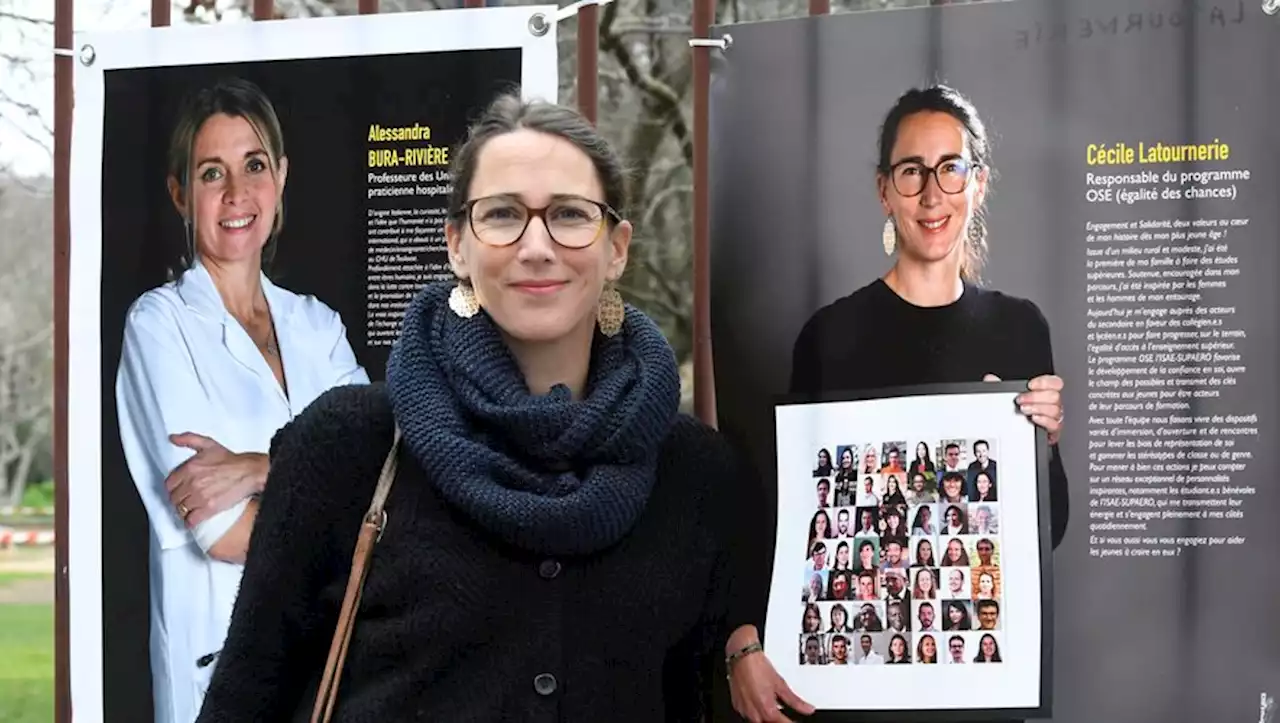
{"x": 160, "y": 13}
{"x": 588, "y": 60}
{"x": 704, "y": 395}
{"x": 474, "y": 4}
{"x": 264, "y": 9}
{"x": 368, "y": 7}
{"x": 63, "y": 72}
{"x": 819, "y": 7}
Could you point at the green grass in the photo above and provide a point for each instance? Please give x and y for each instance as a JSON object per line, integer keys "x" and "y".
{"x": 38, "y": 495}
{"x": 26, "y": 661}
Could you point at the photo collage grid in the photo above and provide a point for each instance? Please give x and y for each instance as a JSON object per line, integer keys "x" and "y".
{"x": 902, "y": 563}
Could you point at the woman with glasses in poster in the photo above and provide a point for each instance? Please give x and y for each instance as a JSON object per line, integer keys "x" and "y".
{"x": 928, "y": 318}
{"x": 212, "y": 364}
{"x": 933, "y": 173}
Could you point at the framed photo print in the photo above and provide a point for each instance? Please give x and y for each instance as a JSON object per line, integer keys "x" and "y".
{"x": 913, "y": 559}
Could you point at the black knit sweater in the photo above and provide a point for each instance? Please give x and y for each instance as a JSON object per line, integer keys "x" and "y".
{"x": 455, "y": 626}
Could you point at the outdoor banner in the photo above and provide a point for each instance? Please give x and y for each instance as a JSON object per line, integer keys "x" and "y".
{"x": 252, "y": 206}
{"x": 1132, "y": 200}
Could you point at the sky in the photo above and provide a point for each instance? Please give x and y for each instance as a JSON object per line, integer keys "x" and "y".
{"x": 26, "y": 70}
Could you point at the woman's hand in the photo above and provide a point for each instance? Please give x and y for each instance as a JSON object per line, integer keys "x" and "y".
{"x": 213, "y": 479}
{"x": 1042, "y": 403}
{"x": 756, "y": 687}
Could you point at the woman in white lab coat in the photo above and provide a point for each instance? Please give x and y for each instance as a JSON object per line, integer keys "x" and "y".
{"x": 212, "y": 364}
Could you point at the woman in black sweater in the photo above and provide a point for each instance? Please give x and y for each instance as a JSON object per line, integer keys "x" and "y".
{"x": 558, "y": 538}
{"x": 927, "y": 319}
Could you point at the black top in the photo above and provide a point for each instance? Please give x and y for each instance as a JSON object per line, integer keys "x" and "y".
{"x": 457, "y": 627}
{"x": 874, "y": 338}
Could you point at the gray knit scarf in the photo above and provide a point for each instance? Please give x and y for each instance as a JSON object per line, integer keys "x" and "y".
{"x": 545, "y": 473}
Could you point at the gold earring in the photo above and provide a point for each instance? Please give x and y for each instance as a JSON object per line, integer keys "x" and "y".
{"x": 889, "y": 236}
{"x": 611, "y": 312}
{"x": 463, "y": 301}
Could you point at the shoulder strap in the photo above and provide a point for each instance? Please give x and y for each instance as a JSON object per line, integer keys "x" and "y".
{"x": 370, "y": 532}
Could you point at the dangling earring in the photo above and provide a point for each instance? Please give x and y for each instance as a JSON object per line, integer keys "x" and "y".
{"x": 889, "y": 236}
{"x": 610, "y": 313}
{"x": 463, "y": 301}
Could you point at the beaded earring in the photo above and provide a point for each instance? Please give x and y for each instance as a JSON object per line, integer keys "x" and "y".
{"x": 610, "y": 313}
{"x": 889, "y": 236}
{"x": 463, "y": 301}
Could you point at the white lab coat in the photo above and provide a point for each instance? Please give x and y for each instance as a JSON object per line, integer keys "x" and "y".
{"x": 187, "y": 365}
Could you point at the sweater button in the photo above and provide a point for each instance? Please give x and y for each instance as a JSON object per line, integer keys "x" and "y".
{"x": 549, "y": 569}
{"x": 544, "y": 683}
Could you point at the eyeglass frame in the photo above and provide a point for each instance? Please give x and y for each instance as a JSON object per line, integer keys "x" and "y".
{"x": 931, "y": 171}
{"x": 605, "y": 209}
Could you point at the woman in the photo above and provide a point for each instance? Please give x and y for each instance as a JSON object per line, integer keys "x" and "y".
{"x": 812, "y": 620}
{"x": 924, "y": 553}
{"x": 898, "y": 650}
{"x": 922, "y": 464}
{"x": 824, "y": 464}
{"x": 956, "y": 554}
{"x": 933, "y": 172}
{"x": 819, "y": 529}
{"x": 846, "y": 480}
{"x": 984, "y": 488}
{"x": 893, "y": 524}
{"x": 893, "y": 493}
{"x": 957, "y": 616}
{"x": 952, "y": 488}
{"x": 957, "y": 521}
{"x": 926, "y": 585}
{"x": 212, "y": 365}
{"x": 543, "y": 459}
{"x": 840, "y": 620}
{"x": 985, "y": 587}
{"x": 923, "y": 522}
{"x": 927, "y": 650}
{"x": 870, "y": 460}
{"x": 843, "y": 561}
{"x": 988, "y": 650}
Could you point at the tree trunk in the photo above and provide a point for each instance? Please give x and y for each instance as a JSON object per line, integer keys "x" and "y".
{"x": 18, "y": 482}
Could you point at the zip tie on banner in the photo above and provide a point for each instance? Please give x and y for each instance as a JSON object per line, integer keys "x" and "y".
{"x": 1271, "y": 7}
{"x": 572, "y": 9}
{"x": 723, "y": 43}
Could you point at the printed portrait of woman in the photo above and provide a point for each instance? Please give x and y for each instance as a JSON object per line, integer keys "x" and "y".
{"x": 922, "y": 463}
{"x": 924, "y": 553}
{"x": 988, "y": 650}
{"x": 811, "y": 622}
{"x": 933, "y": 173}
{"x": 213, "y": 363}
{"x": 926, "y": 586}
{"x": 927, "y": 649}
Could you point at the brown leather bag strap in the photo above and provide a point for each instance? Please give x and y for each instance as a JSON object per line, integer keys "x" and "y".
{"x": 375, "y": 521}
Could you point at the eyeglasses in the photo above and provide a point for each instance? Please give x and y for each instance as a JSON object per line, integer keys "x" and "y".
{"x": 952, "y": 174}
{"x": 571, "y": 221}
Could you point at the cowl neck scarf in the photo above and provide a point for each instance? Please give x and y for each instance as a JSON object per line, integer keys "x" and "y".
{"x": 548, "y": 473}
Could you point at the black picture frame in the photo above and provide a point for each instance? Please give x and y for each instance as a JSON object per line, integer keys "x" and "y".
{"x": 1044, "y": 709}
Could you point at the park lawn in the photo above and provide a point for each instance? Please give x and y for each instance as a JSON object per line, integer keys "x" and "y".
{"x": 26, "y": 662}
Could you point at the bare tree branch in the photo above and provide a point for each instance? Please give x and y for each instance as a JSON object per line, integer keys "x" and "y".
{"x": 663, "y": 94}
{"x": 17, "y": 17}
